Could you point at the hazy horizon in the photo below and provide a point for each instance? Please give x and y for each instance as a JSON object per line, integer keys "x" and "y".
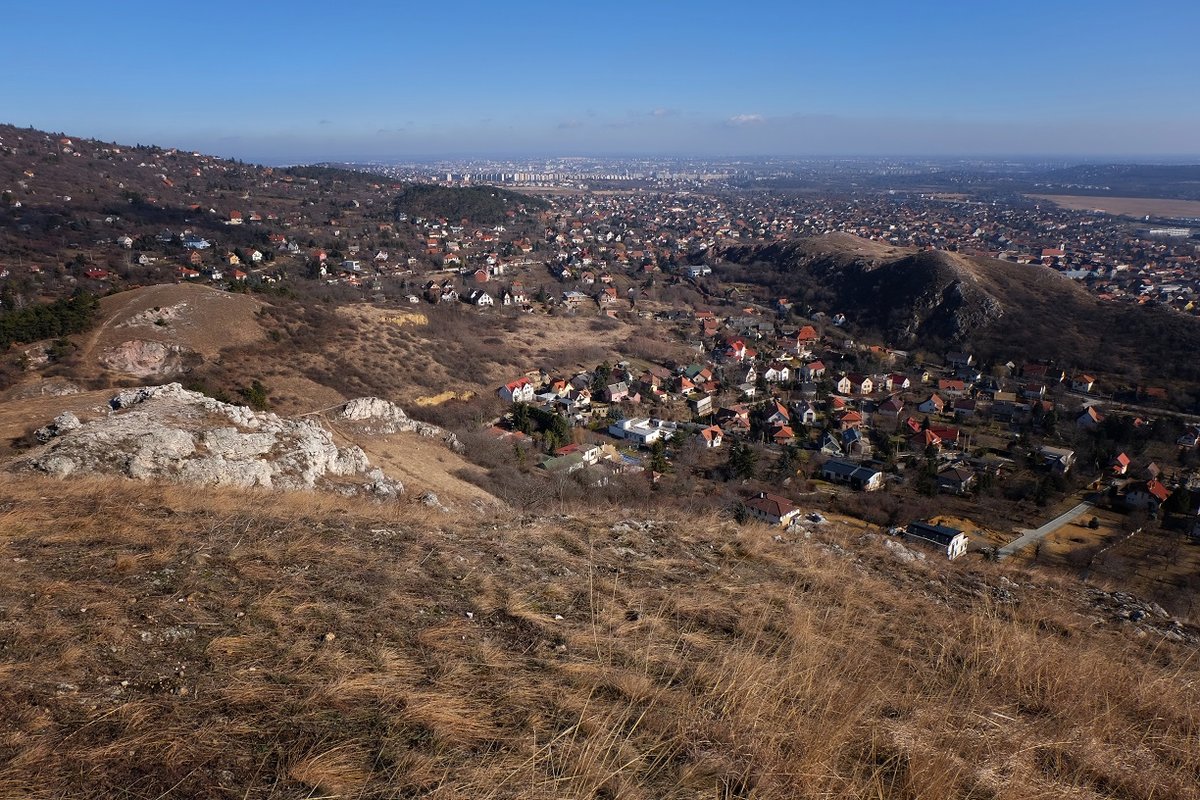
{"x": 381, "y": 83}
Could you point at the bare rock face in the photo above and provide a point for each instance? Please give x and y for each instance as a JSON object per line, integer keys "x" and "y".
{"x": 63, "y": 423}
{"x": 168, "y": 432}
{"x": 145, "y": 359}
{"x": 375, "y": 415}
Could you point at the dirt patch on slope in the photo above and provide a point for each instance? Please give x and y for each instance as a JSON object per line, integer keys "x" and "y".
{"x": 157, "y": 330}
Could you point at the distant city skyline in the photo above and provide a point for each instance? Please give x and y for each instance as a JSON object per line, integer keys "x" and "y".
{"x": 382, "y": 81}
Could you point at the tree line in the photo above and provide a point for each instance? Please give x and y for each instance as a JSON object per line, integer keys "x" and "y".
{"x": 63, "y": 317}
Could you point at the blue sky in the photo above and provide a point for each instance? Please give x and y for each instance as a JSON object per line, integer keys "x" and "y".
{"x": 287, "y": 81}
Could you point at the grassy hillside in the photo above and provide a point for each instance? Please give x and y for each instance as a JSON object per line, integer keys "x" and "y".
{"x": 171, "y": 642}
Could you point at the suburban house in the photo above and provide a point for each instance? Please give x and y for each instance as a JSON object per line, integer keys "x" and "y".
{"x": 934, "y": 405}
{"x": 1058, "y": 459}
{"x": 831, "y": 444}
{"x": 807, "y": 334}
{"x": 644, "y": 430}
{"x": 616, "y": 392}
{"x": 958, "y": 360}
{"x": 855, "y": 443}
{"x": 701, "y": 406}
{"x": 804, "y": 413}
{"x": 951, "y": 387}
{"x": 519, "y": 391}
{"x": 949, "y": 436}
{"x": 574, "y": 299}
{"x": 812, "y": 371}
{"x": 891, "y": 408}
{"x": 734, "y": 418}
{"x": 1149, "y": 495}
{"x": 779, "y": 415}
{"x": 478, "y": 297}
{"x": 709, "y": 437}
{"x": 923, "y": 440}
{"x": 1090, "y": 419}
{"x": 955, "y": 480}
{"x": 853, "y": 475}
{"x": 771, "y": 508}
{"x": 849, "y": 419}
{"x": 590, "y": 453}
{"x": 943, "y": 538}
{"x": 778, "y": 372}
{"x": 859, "y": 384}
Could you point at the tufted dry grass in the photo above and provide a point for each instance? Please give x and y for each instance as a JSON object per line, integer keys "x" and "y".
{"x": 160, "y": 641}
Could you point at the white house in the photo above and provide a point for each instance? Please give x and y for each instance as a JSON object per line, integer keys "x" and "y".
{"x": 778, "y": 372}
{"x": 518, "y": 391}
{"x": 478, "y": 297}
{"x": 812, "y": 371}
{"x": 805, "y": 414}
{"x": 950, "y": 541}
{"x": 772, "y": 509}
{"x": 643, "y": 430}
{"x": 851, "y": 474}
{"x": 709, "y": 437}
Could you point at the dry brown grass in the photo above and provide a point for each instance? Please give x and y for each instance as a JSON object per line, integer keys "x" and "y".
{"x": 1128, "y": 206}
{"x": 159, "y": 641}
{"x": 359, "y": 350}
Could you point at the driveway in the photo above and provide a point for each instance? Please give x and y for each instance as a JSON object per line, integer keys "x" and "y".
{"x": 1036, "y": 535}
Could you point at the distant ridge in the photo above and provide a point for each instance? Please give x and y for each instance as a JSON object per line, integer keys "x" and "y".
{"x": 999, "y": 309}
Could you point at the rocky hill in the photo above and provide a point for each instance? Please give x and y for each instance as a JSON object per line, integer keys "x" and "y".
{"x": 170, "y": 433}
{"x": 159, "y": 640}
{"x": 937, "y": 300}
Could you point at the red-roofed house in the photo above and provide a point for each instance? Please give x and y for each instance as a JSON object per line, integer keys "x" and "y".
{"x": 920, "y": 442}
{"x": 1149, "y": 495}
{"x": 518, "y": 391}
{"x": 709, "y": 437}
{"x": 771, "y": 508}
{"x": 933, "y": 405}
{"x": 1090, "y": 419}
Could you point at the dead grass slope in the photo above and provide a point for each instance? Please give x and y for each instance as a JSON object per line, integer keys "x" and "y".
{"x": 198, "y": 319}
{"x": 165, "y": 642}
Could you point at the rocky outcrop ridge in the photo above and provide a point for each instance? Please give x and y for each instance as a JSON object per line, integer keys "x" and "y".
{"x": 168, "y": 432}
{"x": 376, "y": 416}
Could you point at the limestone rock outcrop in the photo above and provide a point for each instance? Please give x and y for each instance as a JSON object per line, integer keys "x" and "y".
{"x": 171, "y": 433}
{"x": 374, "y": 415}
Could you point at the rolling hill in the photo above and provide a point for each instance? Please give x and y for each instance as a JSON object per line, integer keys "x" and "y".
{"x": 998, "y": 309}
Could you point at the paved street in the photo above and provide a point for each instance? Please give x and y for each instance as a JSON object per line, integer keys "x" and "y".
{"x": 1037, "y": 534}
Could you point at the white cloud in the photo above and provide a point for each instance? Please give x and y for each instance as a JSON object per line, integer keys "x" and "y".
{"x": 740, "y": 120}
